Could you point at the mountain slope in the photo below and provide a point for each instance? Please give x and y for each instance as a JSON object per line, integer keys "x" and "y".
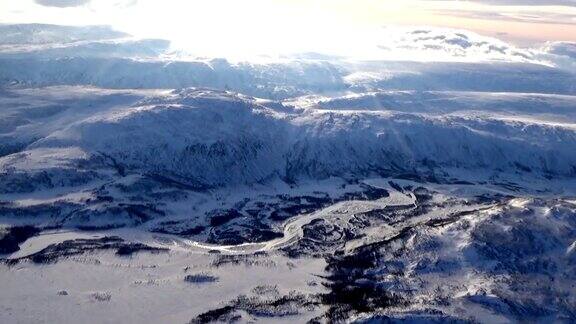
{"x": 217, "y": 139}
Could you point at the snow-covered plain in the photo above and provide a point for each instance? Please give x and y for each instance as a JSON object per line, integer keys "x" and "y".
{"x": 138, "y": 187}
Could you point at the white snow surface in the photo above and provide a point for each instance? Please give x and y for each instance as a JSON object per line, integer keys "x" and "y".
{"x": 220, "y": 139}
{"x": 103, "y": 135}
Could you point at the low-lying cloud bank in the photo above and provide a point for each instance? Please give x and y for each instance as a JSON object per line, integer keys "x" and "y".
{"x": 440, "y": 44}
{"x": 452, "y": 45}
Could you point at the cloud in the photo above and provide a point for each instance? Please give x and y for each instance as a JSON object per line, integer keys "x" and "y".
{"x": 62, "y": 3}
{"x": 529, "y": 2}
{"x": 567, "y": 49}
{"x": 540, "y": 17}
{"x": 442, "y": 44}
{"x": 560, "y": 54}
{"x": 524, "y": 3}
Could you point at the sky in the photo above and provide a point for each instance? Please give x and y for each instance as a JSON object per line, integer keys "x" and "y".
{"x": 300, "y": 25}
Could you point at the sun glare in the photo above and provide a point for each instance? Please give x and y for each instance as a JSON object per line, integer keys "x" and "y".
{"x": 273, "y": 28}
{"x": 247, "y": 28}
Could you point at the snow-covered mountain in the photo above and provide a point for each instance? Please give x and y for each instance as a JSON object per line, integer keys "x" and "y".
{"x": 340, "y": 190}
{"x": 218, "y": 139}
{"x": 279, "y": 80}
{"x": 38, "y": 34}
{"x": 508, "y": 263}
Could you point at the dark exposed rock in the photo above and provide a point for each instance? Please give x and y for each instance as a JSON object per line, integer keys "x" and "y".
{"x": 14, "y": 236}
{"x": 201, "y": 278}
{"x": 54, "y": 252}
{"x": 224, "y": 216}
{"x": 241, "y": 234}
{"x": 244, "y": 259}
{"x": 266, "y": 304}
